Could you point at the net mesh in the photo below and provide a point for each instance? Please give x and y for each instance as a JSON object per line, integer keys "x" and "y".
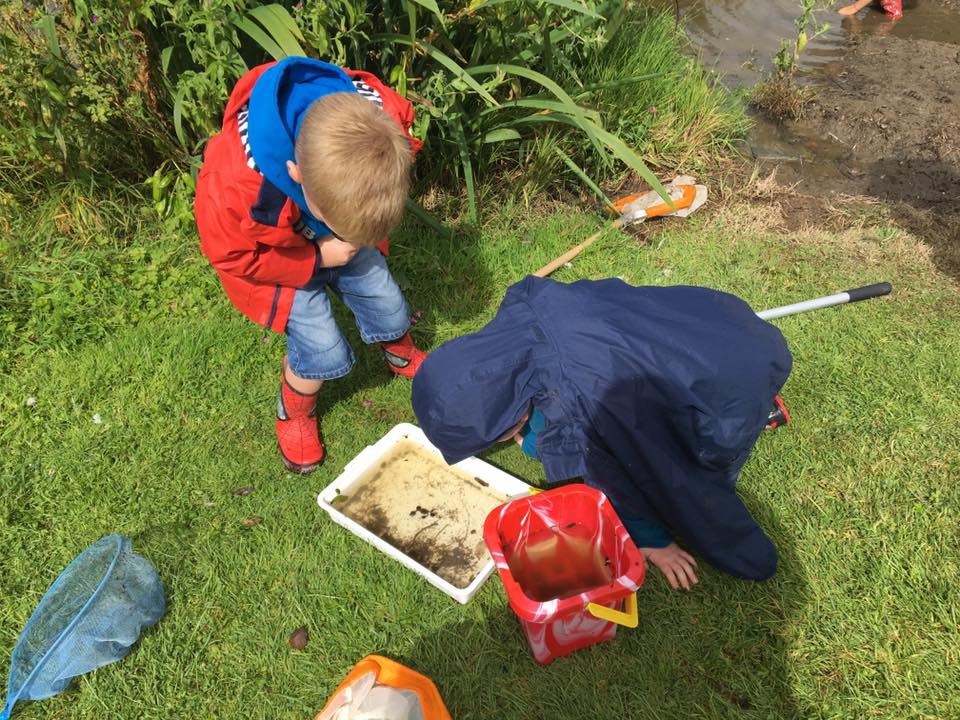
{"x": 91, "y": 616}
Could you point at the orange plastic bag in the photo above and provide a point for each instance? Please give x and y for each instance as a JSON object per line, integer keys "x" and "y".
{"x": 380, "y": 689}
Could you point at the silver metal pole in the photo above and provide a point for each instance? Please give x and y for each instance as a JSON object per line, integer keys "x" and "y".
{"x": 805, "y": 306}
{"x": 855, "y": 295}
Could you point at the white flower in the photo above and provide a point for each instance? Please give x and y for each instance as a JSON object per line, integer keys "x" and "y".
{"x": 31, "y": 401}
{"x": 568, "y": 265}
{"x": 97, "y": 420}
{"x": 666, "y": 272}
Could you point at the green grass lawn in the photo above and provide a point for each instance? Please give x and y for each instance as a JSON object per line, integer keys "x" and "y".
{"x": 105, "y": 313}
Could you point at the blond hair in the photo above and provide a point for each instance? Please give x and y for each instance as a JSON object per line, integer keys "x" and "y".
{"x": 355, "y": 163}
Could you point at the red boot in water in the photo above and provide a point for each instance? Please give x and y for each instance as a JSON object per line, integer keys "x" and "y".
{"x": 403, "y": 356}
{"x": 298, "y": 432}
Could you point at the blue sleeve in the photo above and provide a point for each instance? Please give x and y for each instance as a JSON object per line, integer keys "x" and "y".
{"x": 646, "y": 533}
{"x": 531, "y": 428}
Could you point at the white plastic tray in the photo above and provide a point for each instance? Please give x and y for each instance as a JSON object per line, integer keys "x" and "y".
{"x": 499, "y": 481}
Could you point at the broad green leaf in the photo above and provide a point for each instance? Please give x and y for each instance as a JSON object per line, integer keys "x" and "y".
{"x": 60, "y": 141}
{"x": 48, "y": 26}
{"x": 260, "y": 37}
{"x": 178, "y": 117}
{"x": 501, "y": 135}
{"x": 165, "y": 59}
{"x": 411, "y": 21}
{"x": 284, "y": 17}
{"x": 431, "y": 5}
{"x": 267, "y": 16}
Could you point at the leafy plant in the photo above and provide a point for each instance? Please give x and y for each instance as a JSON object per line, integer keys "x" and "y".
{"x": 499, "y": 85}
{"x": 779, "y": 96}
{"x": 808, "y": 28}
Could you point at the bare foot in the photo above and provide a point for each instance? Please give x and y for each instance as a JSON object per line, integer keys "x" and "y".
{"x": 854, "y": 7}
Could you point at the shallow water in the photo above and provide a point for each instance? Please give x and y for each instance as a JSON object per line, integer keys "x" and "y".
{"x": 739, "y": 37}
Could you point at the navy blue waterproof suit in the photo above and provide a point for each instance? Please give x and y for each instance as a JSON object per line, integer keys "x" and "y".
{"x": 653, "y": 395}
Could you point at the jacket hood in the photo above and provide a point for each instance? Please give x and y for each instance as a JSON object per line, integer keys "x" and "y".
{"x": 278, "y": 102}
{"x": 470, "y": 391}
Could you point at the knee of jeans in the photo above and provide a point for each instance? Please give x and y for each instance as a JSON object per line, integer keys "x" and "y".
{"x": 313, "y": 361}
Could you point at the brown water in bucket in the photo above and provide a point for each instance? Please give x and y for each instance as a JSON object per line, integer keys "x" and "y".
{"x": 557, "y": 563}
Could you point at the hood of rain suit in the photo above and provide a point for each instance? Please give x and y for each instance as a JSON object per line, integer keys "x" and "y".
{"x": 278, "y": 102}
{"x": 653, "y": 395}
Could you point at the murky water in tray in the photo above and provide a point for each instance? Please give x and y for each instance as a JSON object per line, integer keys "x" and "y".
{"x": 739, "y": 37}
{"x": 429, "y": 511}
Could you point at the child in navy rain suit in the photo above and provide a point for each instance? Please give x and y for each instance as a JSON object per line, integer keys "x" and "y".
{"x": 653, "y": 395}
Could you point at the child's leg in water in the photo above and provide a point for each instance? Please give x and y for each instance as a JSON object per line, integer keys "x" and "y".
{"x": 854, "y": 8}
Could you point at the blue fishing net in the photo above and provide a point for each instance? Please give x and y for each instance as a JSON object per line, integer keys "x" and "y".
{"x": 91, "y": 616}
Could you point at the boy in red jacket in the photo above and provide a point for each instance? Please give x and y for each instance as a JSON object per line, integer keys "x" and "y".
{"x": 308, "y": 175}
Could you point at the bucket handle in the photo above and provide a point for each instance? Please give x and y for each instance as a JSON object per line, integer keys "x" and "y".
{"x": 630, "y": 617}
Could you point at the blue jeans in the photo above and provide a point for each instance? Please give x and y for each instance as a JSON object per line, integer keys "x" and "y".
{"x": 316, "y": 349}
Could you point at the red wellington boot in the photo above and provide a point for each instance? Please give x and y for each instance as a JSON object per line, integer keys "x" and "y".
{"x": 403, "y": 356}
{"x": 298, "y": 432}
{"x": 778, "y": 415}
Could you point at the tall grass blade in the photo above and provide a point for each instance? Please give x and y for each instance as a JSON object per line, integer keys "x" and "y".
{"x": 432, "y": 6}
{"x": 587, "y": 180}
{"x": 567, "y": 4}
{"x": 536, "y": 103}
{"x": 552, "y": 86}
{"x": 444, "y": 60}
{"x": 632, "y": 160}
{"x": 467, "y": 163}
{"x": 593, "y": 87}
{"x": 425, "y": 217}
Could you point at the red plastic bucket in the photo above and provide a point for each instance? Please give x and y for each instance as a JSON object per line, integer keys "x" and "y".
{"x": 567, "y": 563}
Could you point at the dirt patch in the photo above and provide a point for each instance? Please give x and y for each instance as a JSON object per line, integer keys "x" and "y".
{"x": 429, "y": 511}
{"x": 891, "y": 114}
{"x": 896, "y": 106}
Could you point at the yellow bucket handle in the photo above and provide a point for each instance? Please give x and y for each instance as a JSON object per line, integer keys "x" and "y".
{"x": 630, "y": 617}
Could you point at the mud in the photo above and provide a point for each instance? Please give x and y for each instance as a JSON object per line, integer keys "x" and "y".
{"x": 429, "y": 511}
{"x": 894, "y": 109}
{"x": 885, "y": 122}
{"x": 887, "y": 126}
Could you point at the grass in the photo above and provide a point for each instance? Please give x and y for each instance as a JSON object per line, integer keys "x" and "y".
{"x": 858, "y": 492}
{"x": 781, "y": 98}
{"x": 658, "y": 100}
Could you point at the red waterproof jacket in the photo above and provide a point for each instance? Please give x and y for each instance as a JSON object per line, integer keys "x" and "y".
{"x": 248, "y": 228}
